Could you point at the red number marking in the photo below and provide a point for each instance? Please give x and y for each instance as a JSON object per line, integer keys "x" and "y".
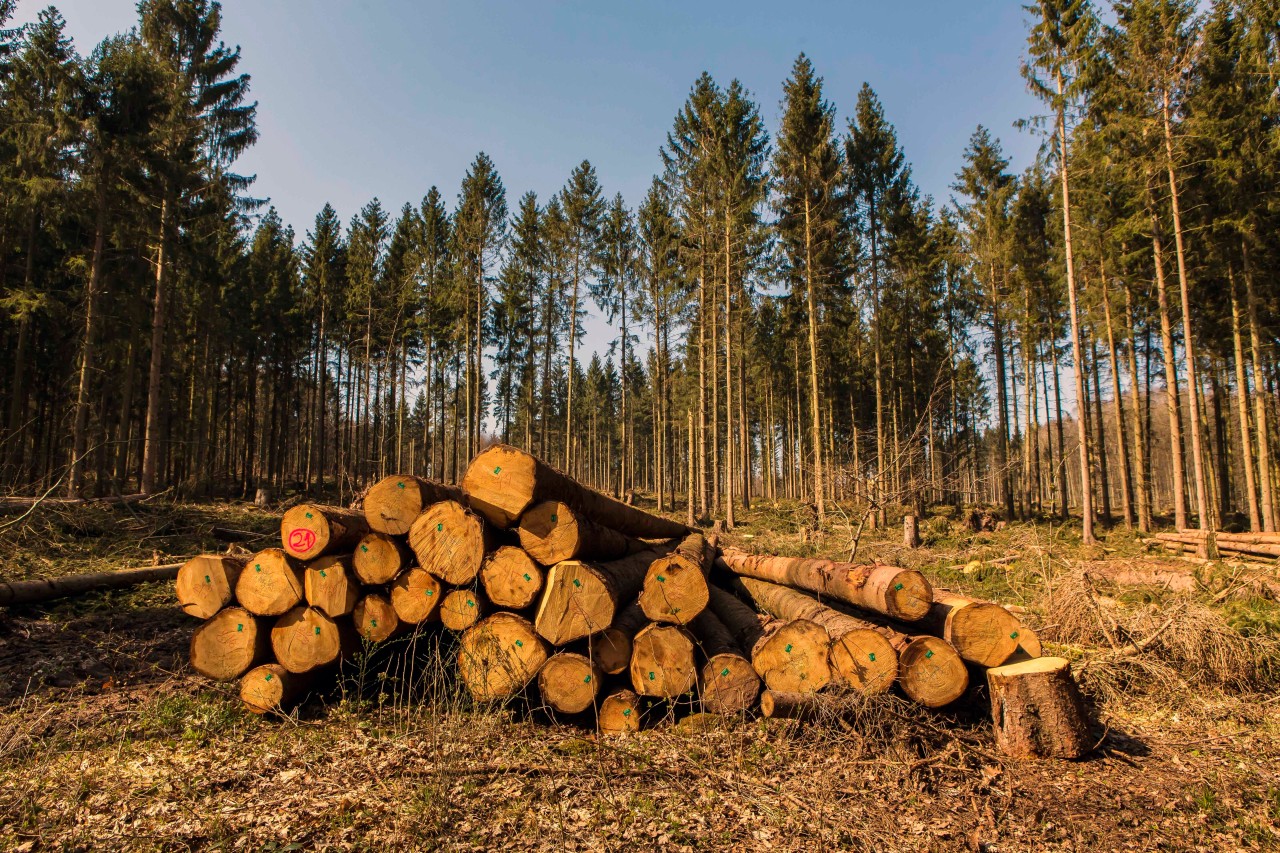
{"x": 302, "y": 540}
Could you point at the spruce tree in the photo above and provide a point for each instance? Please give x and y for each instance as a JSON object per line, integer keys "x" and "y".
{"x": 583, "y": 210}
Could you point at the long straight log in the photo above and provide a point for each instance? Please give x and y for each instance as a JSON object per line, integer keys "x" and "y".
{"x": 611, "y": 648}
{"x": 379, "y": 557}
{"x": 511, "y": 578}
{"x": 662, "y": 661}
{"x": 393, "y": 503}
{"x": 499, "y": 656}
{"x": 450, "y": 542}
{"x": 552, "y": 531}
{"x": 902, "y": 594}
{"x": 309, "y": 530}
{"x": 581, "y": 599}
{"x": 207, "y": 583}
{"x": 569, "y": 682}
{"x": 271, "y": 583}
{"x": 727, "y": 682}
{"x": 330, "y": 585}
{"x": 47, "y": 589}
{"x": 778, "y": 705}
{"x": 742, "y": 622}
{"x": 229, "y": 644}
{"x": 981, "y": 632}
{"x": 504, "y": 481}
{"x": 675, "y": 585}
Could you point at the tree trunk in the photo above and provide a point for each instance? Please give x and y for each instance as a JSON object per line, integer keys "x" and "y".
{"x": 569, "y": 682}
{"x": 1242, "y": 410}
{"x": 271, "y": 583}
{"x": 1265, "y": 491}
{"x": 310, "y": 530}
{"x": 330, "y": 585}
{"x": 155, "y": 380}
{"x": 662, "y": 661}
{"x": 416, "y": 596}
{"x": 206, "y": 584}
{"x": 551, "y": 531}
{"x": 728, "y": 683}
{"x": 499, "y": 656}
{"x": 1170, "y": 377}
{"x": 581, "y": 599}
{"x": 1038, "y": 710}
{"x": 1126, "y": 479}
{"x": 305, "y": 639}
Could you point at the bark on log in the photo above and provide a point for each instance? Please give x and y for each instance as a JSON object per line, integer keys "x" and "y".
{"x": 503, "y": 481}
{"x": 461, "y": 608}
{"x": 552, "y": 531}
{"x": 569, "y": 682}
{"x": 374, "y": 618}
{"x": 727, "y": 683}
{"x": 379, "y": 557}
{"x": 207, "y": 583}
{"x": 499, "y": 656}
{"x": 611, "y": 648}
{"x": 393, "y": 504}
{"x": 619, "y": 713}
{"x": 806, "y": 706}
{"x": 861, "y": 657}
{"x": 902, "y": 594}
{"x": 1037, "y": 710}
{"x": 743, "y": 623}
{"x": 304, "y": 639}
{"x": 271, "y": 689}
{"x": 229, "y": 644}
{"x": 511, "y": 578}
{"x": 450, "y": 542}
{"x": 662, "y": 661}
{"x": 981, "y": 632}
{"x": 581, "y": 599}
{"x": 309, "y": 530}
{"x": 675, "y": 586}
{"x": 271, "y": 583}
{"x": 47, "y": 589}
{"x": 330, "y": 585}
{"x": 416, "y": 596}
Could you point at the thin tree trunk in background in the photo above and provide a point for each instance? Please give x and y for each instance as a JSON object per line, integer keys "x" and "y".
{"x": 159, "y": 320}
{"x": 1122, "y": 440}
{"x": 1170, "y": 381}
{"x": 1266, "y": 494}
{"x": 730, "y": 471}
{"x": 80, "y": 421}
{"x": 1065, "y": 495}
{"x": 816, "y": 423}
{"x": 1242, "y": 409}
{"x": 1142, "y": 483}
{"x": 1104, "y": 486}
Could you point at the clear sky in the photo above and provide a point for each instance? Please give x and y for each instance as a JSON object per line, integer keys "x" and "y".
{"x": 363, "y": 99}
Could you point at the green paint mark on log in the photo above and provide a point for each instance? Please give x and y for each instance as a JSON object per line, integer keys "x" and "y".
{"x": 317, "y": 630}
{"x": 928, "y": 654}
{"x": 724, "y": 673}
{"x": 308, "y": 515}
{"x": 520, "y": 643}
{"x": 267, "y": 677}
{"x": 526, "y": 577}
{"x": 240, "y": 627}
{"x": 872, "y": 656}
{"x": 577, "y": 582}
{"x": 626, "y": 712}
{"x": 898, "y": 587}
{"x": 652, "y": 677}
{"x": 788, "y": 648}
{"x": 399, "y": 485}
{"x": 440, "y": 527}
{"x": 497, "y": 470}
{"x": 364, "y": 548}
{"x": 208, "y": 579}
{"x": 1013, "y": 636}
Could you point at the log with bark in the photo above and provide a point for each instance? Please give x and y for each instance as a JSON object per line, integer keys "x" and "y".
{"x": 776, "y": 704}
{"x": 611, "y": 648}
{"x": 981, "y": 632}
{"x": 727, "y": 683}
{"x": 504, "y": 481}
{"x": 675, "y": 585}
{"x": 226, "y": 646}
{"x": 309, "y": 530}
{"x": 552, "y": 531}
{"x": 271, "y": 583}
{"x": 207, "y": 583}
{"x": 511, "y": 578}
{"x": 569, "y": 682}
{"x": 461, "y": 608}
{"x": 393, "y": 503}
{"x": 662, "y": 661}
{"x": 271, "y": 689}
{"x": 48, "y": 589}
{"x": 581, "y": 599}
{"x": 379, "y": 557}
{"x": 1037, "y": 710}
{"x": 330, "y": 585}
{"x": 619, "y": 713}
{"x": 499, "y": 656}
{"x": 898, "y": 593}
{"x": 450, "y": 542}
{"x": 416, "y": 596}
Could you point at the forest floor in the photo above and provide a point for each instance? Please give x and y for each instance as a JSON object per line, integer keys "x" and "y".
{"x": 108, "y": 741}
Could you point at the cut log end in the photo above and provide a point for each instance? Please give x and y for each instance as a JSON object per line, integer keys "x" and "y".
{"x": 619, "y": 713}
{"x": 393, "y": 503}
{"x": 304, "y": 639}
{"x": 675, "y": 590}
{"x": 499, "y": 484}
{"x": 379, "y": 557}
{"x": 576, "y": 603}
{"x": 569, "y": 682}
{"x": 329, "y": 585}
{"x": 511, "y": 578}
{"x": 982, "y": 633}
{"x": 271, "y": 583}
{"x": 864, "y": 660}
{"x": 1037, "y": 710}
{"x": 207, "y": 583}
{"x": 449, "y": 542}
{"x": 794, "y": 657}
{"x": 908, "y": 596}
{"x": 374, "y": 618}
{"x": 729, "y": 684}
{"x": 270, "y": 689}
{"x": 499, "y": 656}
{"x": 309, "y": 530}
{"x": 460, "y": 609}
{"x": 662, "y": 661}
{"x": 550, "y": 532}
{"x": 227, "y": 645}
{"x": 931, "y": 672}
{"x": 416, "y": 596}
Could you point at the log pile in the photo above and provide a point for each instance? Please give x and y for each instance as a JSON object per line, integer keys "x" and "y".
{"x": 586, "y": 608}
{"x": 1211, "y": 544}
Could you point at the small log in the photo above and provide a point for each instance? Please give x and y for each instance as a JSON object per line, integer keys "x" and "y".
{"x": 416, "y": 596}
{"x": 379, "y": 557}
{"x": 511, "y": 578}
{"x": 662, "y": 661}
{"x": 310, "y": 530}
{"x": 982, "y": 633}
{"x": 504, "y": 481}
{"x": 581, "y": 599}
{"x": 271, "y": 583}
{"x": 47, "y": 589}
{"x": 552, "y": 531}
{"x": 1037, "y": 710}
{"x": 229, "y": 644}
{"x": 569, "y": 682}
{"x": 727, "y": 682}
{"x": 897, "y": 593}
{"x": 304, "y": 639}
{"x": 675, "y": 586}
{"x": 806, "y": 706}
{"x": 619, "y": 713}
{"x": 393, "y": 504}
{"x": 450, "y": 542}
{"x": 611, "y": 648}
{"x": 374, "y": 618}
{"x": 499, "y": 656}
{"x": 207, "y": 583}
{"x": 330, "y": 586}
{"x": 461, "y": 608}
{"x": 271, "y": 689}
{"x": 793, "y": 656}
{"x": 910, "y": 531}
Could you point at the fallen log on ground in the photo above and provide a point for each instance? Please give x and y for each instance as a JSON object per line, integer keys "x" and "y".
{"x": 619, "y": 713}
{"x": 47, "y": 589}
{"x": 611, "y": 648}
{"x": 806, "y": 706}
{"x": 553, "y": 531}
{"x": 271, "y": 689}
{"x": 1037, "y": 710}
{"x": 727, "y": 682}
{"x": 981, "y": 632}
{"x": 393, "y": 503}
{"x": 675, "y": 585}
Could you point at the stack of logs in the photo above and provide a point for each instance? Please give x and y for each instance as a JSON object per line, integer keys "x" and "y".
{"x": 1211, "y": 544}
{"x": 598, "y": 610}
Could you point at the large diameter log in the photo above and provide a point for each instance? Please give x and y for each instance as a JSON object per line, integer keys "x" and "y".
{"x": 1037, "y": 710}
{"x": 304, "y": 639}
{"x": 569, "y": 682}
{"x": 416, "y": 596}
{"x": 47, "y": 589}
{"x": 207, "y": 583}
{"x": 499, "y": 656}
{"x": 728, "y": 684}
{"x": 271, "y": 583}
{"x": 460, "y": 609}
{"x": 270, "y": 689}
{"x": 861, "y": 656}
{"x": 330, "y": 585}
{"x": 449, "y": 541}
{"x": 552, "y": 531}
{"x": 619, "y": 713}
{"x": 393, "y": 503}
{"x": 902, "y": 594}
{"x": 374, "y": 618}
{"x": 310, "y": 530}
{"x": 511, "y": 578}
{"x": 378, "y": 558}
{"x": 675, "y": 586}
{"x": 982, "y": 633}
{"x": 662, "y": 661}
{"x": 793, "y": 656}
{"x": 581, "y": 599}
{"x": 504, "y": 481}
{"x": 611, "y": 648}
{"x": 229, "y": 644}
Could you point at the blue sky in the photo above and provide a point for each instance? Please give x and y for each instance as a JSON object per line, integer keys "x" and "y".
{"x": 388, "y": 98}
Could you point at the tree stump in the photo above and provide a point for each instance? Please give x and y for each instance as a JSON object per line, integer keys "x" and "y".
{"x": 1037, "y": 710}
{"x": 911, "y": 531}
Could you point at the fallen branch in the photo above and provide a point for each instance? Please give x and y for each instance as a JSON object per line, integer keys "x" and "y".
{"x": 47, "y": 589}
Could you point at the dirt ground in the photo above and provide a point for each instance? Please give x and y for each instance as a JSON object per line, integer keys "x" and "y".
{"x": 108, "y": 741}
